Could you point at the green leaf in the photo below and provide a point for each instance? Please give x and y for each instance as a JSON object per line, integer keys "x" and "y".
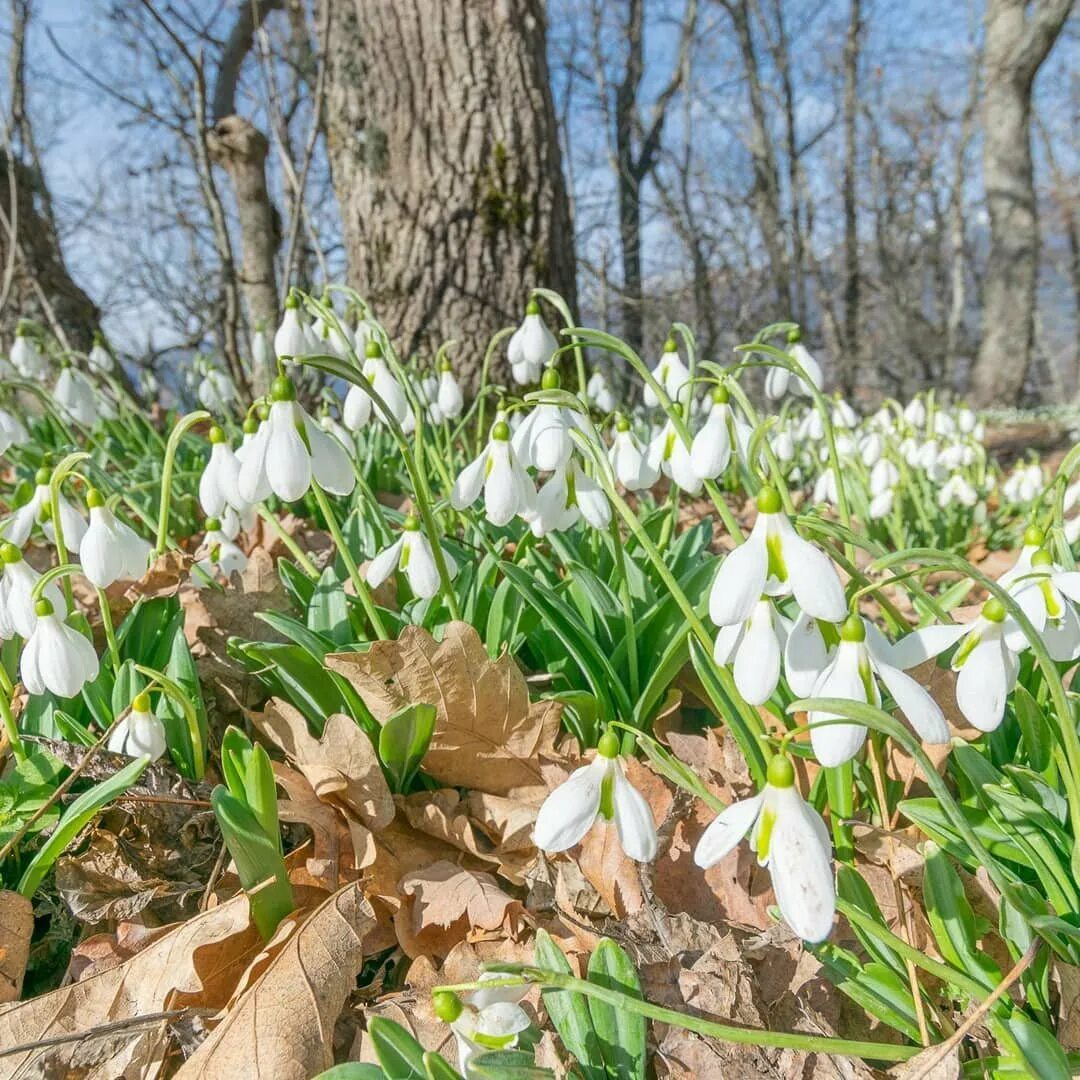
{"x": 399, "y": 1054}
{"x": 507, "y": 1065}
{"x": 75, "y": 818}
{"x": 437, "y": 1068}
{"x": 1038, "y": 738}
{"x": 569, "y": 1012}
{"x": 328, "y": 612}
{"x": 403, "y": 742}
{"x": 352, "y": 1070}
{"x": 621, "y": 1034}
{"x": 1043, "y": 1054}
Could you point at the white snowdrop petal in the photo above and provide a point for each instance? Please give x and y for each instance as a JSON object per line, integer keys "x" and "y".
{"x": 813, "y": 577}
{"x": 923, "y": 644}
{"x": 757, "y": 661}
{"x": 330, "y": 464}
{"x": 288, "y": 464}
{"x": 569, "y": 811}
{"x": 725, "y": 832}
{"x": 805, "y": 655}
{"x": 983, "y": 685}
{"x": 802, "y": 874}
{"x": 836, "y": 743}
{"x": 740, "y": 580}
{"x": 922, "y": 711}
{"x": 421, "y": 570}
{"x": 633, "y": 819}
{"x": 384, "y": 564}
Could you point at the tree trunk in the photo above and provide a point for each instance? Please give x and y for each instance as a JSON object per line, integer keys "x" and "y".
{"x": 442, "y": 141}
{"x": 850, "y": 366}
{"x": 1015, "y": 47}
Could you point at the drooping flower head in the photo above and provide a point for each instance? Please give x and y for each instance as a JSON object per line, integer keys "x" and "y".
{"x": 140, "y": 733}
{"x": 531, "y": 347}
{"x": 56, "y": 656}
{"x": 111, "y": 550}
{"x": 497, "y": 473}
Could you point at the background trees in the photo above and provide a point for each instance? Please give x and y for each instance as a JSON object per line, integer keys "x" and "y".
{"x": 900, "y": 176}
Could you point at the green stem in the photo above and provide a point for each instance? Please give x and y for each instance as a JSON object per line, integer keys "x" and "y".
{"x": 183, "y": 425}
{"x": 630, "y": 627}
{"x": 814, "y": 1044}
{"x": 363, "y": 592}
{"x": 293, "y": 547}
{"x": 107, "y": 626}
{"x": 11, "y": 727}
{"x": 563, "y": 308}
{"x": 481, "y": 396}
{"x": 59, "y": 474}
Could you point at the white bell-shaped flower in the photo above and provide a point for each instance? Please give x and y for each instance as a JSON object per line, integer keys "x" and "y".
{"x": 289, "y": 450}
{"x": 290, "y": 339}
{"x": 956, "y": 491}
{"x": 216, "y": 391}
{"x": 337, "y": 431}
{"x": 843, "y": 415}
{"x": 56, "y": 657}
{"x": 19, "y": 525}
{"x": 531, "y": 347}
{"x": 1048, "y": 595}
{"x": 710, "y": 452}
{"x": 219, "y": 483}
{"x": 491, "y": 1019}
{"x": 568, "y": 496}
{"x": 671, "y": 455}
{"x": 670, "y": 372}
{"x": 111, "y": 550}
{"x": 755, "y": 646}
{"x": 871, "y": 447}
{"x": 790, "y": 838}
{"x": 26, "y": 358}
{"x": 883, "y": 476}
{"x": 986, "y": 665}
{"x": 812, "y": 369}
{"x": 862, "y": 658}
{"x": 600, "y": 394}
{"x": 544, "y": 439}
{"x": 330, "y": 338}
{"x": 12, "y": 432}
{"x": 915, "y": 412}
{"x": 140, "y": 733}
{"x": 382, "y": 381}
{"x": 497, "y": 473}
{"x": 783, "y": 446}
{"x": 17, "y": 614}
{"x": 220, "y": 556}
{"x": 826, "y": 489}
{"x": 881, "y": 505}
{"x": 449, "y": 398}
{"x": 99, "y": 359}
{"x": 76, "y": 396}
{"x": 966, "y": 419}
{"x": 776, "y": 561}
{"x": 598, "y": 791}
{"x": 630, "y": 462}
{"x": 411, "y": 554}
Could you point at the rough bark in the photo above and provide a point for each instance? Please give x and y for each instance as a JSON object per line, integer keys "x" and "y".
{"x": 1016, "y": 44}
{"x": 443, "y": 147}
{"x": 850, "y": 360}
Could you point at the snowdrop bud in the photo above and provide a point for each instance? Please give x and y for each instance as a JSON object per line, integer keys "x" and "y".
{"x": 56, "y": 658}
{"x": 12, "y": 432}
{"x": 290, "y": 340}
{"x": 600, "y": 393}
{"x": 99, "y": 358}
{"x": 670, "y": 372}
{"x": 450, "y": 399}
{"x": 216, "y": 391}
{"x": 801, "y": 355}
{"x": 17, "y": 614}
{"x": 710, "y": 452}
{"x": 140, "y": 733}
{"x": 633, "y": 468}
{"x": 871, "y": 448}
{"x": 111, "y": 550}
{"x": 76, "y": 397}
{"x": 378, "y": 373}
{"x": 915, "y": 412}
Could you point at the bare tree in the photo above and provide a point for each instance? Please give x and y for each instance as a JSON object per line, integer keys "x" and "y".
{"x": 1016, "y": 45}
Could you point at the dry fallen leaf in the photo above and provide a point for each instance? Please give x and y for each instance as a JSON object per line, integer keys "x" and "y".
{"x": 445, "y": 904}
{"x": 196, "y": 964}
{"x": 16, "y": 929}
{"x": 282, "y": 1026}
{"x": 487, "y": 734}
{"x": 342, "y": 765}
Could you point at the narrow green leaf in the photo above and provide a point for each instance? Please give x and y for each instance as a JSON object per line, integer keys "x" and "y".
{"x": 403, "y": 742}
{"x": 621, "y": 1034}
{"x": 399, "y": 1054}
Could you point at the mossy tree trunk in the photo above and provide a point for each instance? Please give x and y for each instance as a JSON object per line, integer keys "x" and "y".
{"x": 444, "y": 149}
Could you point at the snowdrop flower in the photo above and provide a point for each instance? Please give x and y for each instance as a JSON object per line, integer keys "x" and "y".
{"x": 140, "y": 733}
{"x": 987, "y": 666}
{"x": 784, "y": 446}
{"x": 56, "y": 657}
{"x": 779, "y": 379}
{"x": 862, "y": 658}
{"x": 790, "y": 839}
{"x": 871, "y": 447}
{"x": 381, "y": 379}
{"x": 883, "y": 476}
{"x": 410, "y": 553}
{"x": 881, "y": 505}
{"x": 671, "y": 454}
{"x": 330, "y": 338}
{"x": 26, "y": 358}
{"x": 568, "y": 496}
{"x": 957, "y": 491}
{"x": 812, "y": 426}
{"x": 600, "y": 394}
{"x": 76, "y": 396}
{"x": 755, "y": 646}
{"x": 843, "y": 415}
{"x": 216, "y": 391}
{"x": 17, "y": 615}
{"x": 915, "y": 412}
{"x": 670, "y": 372}
{"x": 776, "y": 561}
{"x": 492, "y": 1019}
{"x": 1047, "y": 594}
{"x": 449, "y": 398}
{"x": 221, "y": 555}
{"x": 20, "y": 524}
{"x": 943, "y": 423}
{"x": 966, "y": 420}
{"x": 543, "y": 440}
{"x": 12, "y": 432}
{"x": 336, "y": 430}
{"x": 1024, "y": 484}
{"x": 289, "y": 450}
{"x": 99, "y": 359}
{"x": 826, "y": 488}
{"x": 1034, "y": 538}
{"x": 597, "y": 791}
{"x": 111, "y": 550}
{"x": 219, "y": 480}
{"x": 290, "y": 339}
{"x": 632, "y": 466}
{"x": 710, "y": 452}
{"x": 531, "y": 347}
{"x": 497, "y": 473}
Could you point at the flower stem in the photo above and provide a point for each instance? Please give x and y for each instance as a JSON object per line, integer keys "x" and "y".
{"x": 293, "y": 547}
{"x": 363, "y": 592}
{"x": 628, "y": 610}
{"x": 183, "y": 425}
{"x": 107, "y": 626}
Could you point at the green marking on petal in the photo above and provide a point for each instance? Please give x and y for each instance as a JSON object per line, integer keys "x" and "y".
{"x": 607, "y": 797}
{"x": 777, "y": 566}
